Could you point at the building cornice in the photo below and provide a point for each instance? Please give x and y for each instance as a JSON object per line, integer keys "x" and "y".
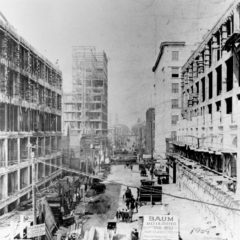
{"x": 208, "y": 36}
{"x": 162, "y": 46}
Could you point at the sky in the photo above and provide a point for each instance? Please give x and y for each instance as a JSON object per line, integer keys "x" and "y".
{"x": 129, "y": 31}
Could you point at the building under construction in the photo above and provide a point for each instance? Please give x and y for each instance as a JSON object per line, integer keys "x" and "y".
{"x": 30, "y": 118}
{"x": 86, "y": 108}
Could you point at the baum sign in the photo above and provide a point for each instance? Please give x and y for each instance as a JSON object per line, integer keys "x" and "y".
{"x": 160, "y": 227}
{"x": 36, "y": 230}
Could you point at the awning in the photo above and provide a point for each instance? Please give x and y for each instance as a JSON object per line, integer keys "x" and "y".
{"x": 201, "y": 150}
{"x": 179, "y": 144}
{"x": 230, "y": 151}
{"x": 192, "y": 148}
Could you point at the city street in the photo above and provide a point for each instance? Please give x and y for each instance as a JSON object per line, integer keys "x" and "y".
{"x": 193, "y": 223}
{"x": 122, "y": 122}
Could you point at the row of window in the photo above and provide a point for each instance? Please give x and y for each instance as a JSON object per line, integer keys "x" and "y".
{"x": 209, "y": 108}
{"x": 27, "y": 89}
{"x": 45, "y": 146}
{"x": 27, "y": 60}
{"x": 15, "y": 118}
{"x": 208, "y": 92}
{"x": 213, "y": 49}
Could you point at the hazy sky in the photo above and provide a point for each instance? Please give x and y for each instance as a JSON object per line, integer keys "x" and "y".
{"x": 129, "y": 31}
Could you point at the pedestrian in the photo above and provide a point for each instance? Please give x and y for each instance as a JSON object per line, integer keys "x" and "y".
{"x": 127, "y": 203}
{"x": 136, "y": 205}
{"x": 128, "y": 193}
{"x": 74, "y": 199}
{"x": 123, "y": 215}
{"x": 151, "y": 172}
{"x": 131, "y": 166}
{"x": 78, "y": 197}
{"x": 117, "y": 215}
{"x": 130, "y": 213}
{"x": 132, "y": 204}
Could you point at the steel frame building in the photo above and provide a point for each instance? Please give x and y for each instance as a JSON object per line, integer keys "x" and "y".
{"x": 86, "y": 108}
{"x": 30, "y": 118}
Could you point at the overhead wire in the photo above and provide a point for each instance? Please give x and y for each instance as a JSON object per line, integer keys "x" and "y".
{"x": 145, "y": 188}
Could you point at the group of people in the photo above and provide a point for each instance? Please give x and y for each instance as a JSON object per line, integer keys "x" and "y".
{"x": 72, "y": 200}
{"x": 124, "y": 215}
{"x": 130, "y": 202}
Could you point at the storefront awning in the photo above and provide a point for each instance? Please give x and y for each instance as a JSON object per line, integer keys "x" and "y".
{"x": 230, "y": 151}
{"x": 179, "y": 144}
{"x": 201, "y": 150}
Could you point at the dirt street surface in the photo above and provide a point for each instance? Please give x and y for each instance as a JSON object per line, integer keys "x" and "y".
{"x": 100, "y": 220}
{"x": 193, "y": 223}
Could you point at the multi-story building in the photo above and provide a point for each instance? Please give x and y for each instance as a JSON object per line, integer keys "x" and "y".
{"x": 139, "y": 131}
{"x": 87, "y": 106}
{"x": 121, "y": 133}
{"x": 30, "y": 118}
{"x": 211, "y": 97}
{"x": 167, "y": 81}
{"x": 206, "y": 153}
{"x": 150, "y": 131}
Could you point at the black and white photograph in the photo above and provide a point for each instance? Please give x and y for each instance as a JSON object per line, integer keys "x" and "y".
{"x": 119, "y": 119}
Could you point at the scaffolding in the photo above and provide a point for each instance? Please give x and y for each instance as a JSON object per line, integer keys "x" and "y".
{"x": 89, "y": 70}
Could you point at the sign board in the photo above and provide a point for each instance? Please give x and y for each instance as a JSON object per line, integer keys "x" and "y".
{"x": 147, "y": 156}
{"x": 36, "y": 230}
{"x": 160, "y": 227}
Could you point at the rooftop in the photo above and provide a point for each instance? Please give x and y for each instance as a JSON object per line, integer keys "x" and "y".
{"x": 162, "y": 46}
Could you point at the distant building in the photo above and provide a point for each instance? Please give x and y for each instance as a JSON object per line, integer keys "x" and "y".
{"x": 150, "y": 131}
{"x": 167, "y": 71}
{"x": 86, "y": 108}
{"x": 139, "y": 131}
{"x": 120, "y": 136}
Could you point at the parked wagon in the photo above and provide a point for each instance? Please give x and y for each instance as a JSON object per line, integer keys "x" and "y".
{"x": 98, "y": 187}
{"x": 150, "y": 194}
{"x": 143, "y": 173}
{"x": 163, "y": 177}
{"x": 145, "y": 182}
{"x": 112, "y": 226}
{"x": 141, "y": 166}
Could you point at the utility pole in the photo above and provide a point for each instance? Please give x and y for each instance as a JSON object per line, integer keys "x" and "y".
{"x": 151, "y": 139}
{"x": 33, "y": 184}
{"x": 198, "y": 142}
